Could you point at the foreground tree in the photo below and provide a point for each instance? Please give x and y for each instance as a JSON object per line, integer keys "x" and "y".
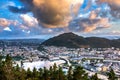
{"x": 8, "y": 72}
{"x": 17, "y": 72}
{"x": 29, "y": 74}
{"x": 70, "y": 73}
{"x": 35, "y": 74}
{"x": 55, "y": 73}
{"x": 8, "y": 68}
{"x": 61, "y": 74}
{"x": 111, "y": 75}
{"x": 79, "y": 74}
{"x": 46, "y": 74}
{"x": 2, "y": 72}
{"x": 40, "y": 74}
{"x": 95, "y": 77}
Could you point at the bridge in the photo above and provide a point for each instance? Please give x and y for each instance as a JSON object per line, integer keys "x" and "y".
{"x": 66, "y": 60}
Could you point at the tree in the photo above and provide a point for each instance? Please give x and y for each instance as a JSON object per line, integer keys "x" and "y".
{"x": 79, "y": 74}
{"x": 70, "y": 73}
{"x": 51, "y": 72}
{"x": 2, "y": 73}
{"x": 61, "y": 74}
{"x": 23, "y": 74}
{"x": 35, "y": 73}
{"x": 17, "y": 72}
{"x": 55, "y": 67}
{"x": 8, "y": 68}
{"x": 111, "y": 75}
{"x": 41, "y": 48}
{"x": 21, "y": 63}
{"x": 40, "y": 73}
{"x": 46, "y": 74}
{"x": 8, "y": 59}
{"x": 0, "y": 61}
{"x": 95, "y": 77}
{"x": 29, "y": 74}
{"x": 55, "y": 75}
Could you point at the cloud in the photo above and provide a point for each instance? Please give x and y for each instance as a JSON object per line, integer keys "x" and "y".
{"x": 93, "y": 22}
{"x": 9, "y": 25}
{"x": 111, "y": 2}
{"x": 89, "y": 25}
{"x": 29, "y": 21}
{"x": 18, "y": 27}
{"x": 61, "y": 14}
{"x": 26, "y": 26}
{"x": 4, "y": 22}
{"x": 18, "y": 10}
{"x": 51, "y": 13}
{"x": 6, "y": 4}
{"x": 114, "y": 6}
{"x": 7, "y": 29}
{"x": 92, "y": 15}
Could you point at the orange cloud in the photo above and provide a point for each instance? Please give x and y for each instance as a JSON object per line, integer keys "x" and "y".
{"x": 93, "y": 15}
{"x": 4, "y": 22}
{"x": 111, "y": 2}
{"x": 54, "y": 13}
{"x": 89, "y": 25}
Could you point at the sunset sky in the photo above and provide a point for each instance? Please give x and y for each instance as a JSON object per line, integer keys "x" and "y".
{"x": 46, "y": 18}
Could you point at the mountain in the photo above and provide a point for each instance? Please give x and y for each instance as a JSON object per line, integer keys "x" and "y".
{"x": 67, "y": 40}
{"x": 98, "y": 42}
{"x": 115, "y": 43}
{"x": 72, "y": 40}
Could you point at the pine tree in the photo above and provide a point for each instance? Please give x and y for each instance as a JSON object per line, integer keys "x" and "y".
{"x": 111, "y": 75}
{"x": 95, "y": 77}
{"x": 29, "y": 74}
{"x": 70, "y": 73}
{"x": 8, "y": 68}
{"x": 55, "y": 67}
{"x": 40, "y": 73}
{"x": 55, "y": 73}
{"x": 51, "y": 72}
{"x": 35, "y": 74}
{"x": 0, "y": 61}
{"x": 17, "y": 72}
{"x": 21, "y": 64}
{"x": 2, "y": 73}
{"x": 23, "y": 74}
{"x": 61, "y": 74}
{"x": 46, "y": 74}
{"x": 79, "y": 74}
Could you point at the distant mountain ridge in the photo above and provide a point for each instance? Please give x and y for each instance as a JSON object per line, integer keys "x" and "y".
{"x": 20, "y": 42}
{"x": 72, "y": 40}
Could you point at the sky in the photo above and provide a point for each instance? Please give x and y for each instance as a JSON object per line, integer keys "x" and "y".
{"x": 47, "y": 18}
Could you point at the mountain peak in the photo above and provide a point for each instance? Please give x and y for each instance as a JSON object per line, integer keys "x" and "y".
{"x": 68, "y": 34}
{"x": 66, "y": 40}
{"x": 72, "y": 40}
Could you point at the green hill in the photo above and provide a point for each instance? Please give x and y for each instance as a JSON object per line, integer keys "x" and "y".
{"x": 72, "y": 40}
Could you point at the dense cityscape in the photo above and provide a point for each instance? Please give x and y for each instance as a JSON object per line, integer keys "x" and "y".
{"x": 93, "y": 60}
